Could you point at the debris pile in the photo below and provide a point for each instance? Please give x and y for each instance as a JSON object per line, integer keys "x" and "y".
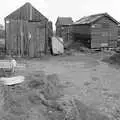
{"x": 78, "y": 46}
{"x": 113, "y": 59}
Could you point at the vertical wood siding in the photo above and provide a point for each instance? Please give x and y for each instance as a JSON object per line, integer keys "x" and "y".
{"x": 81, "y": 29}
{"x": 64, "y": 31}
{"x": 104, "y": 31}
{"x": 26, "y": 38}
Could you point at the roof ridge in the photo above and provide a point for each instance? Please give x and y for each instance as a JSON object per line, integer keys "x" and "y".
{"x": 94, "y": 15}
{"x": 99, "y": 14}
{"x": 92, "y": 18}
{"x": 28, "y": 3}
{"x": 64, "y": 20}
{"x": 64, "y": 17}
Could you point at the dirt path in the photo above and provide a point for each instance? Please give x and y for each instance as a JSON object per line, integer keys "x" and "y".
{"x": 96, "y": 83}
{"x": 93, "y": 82}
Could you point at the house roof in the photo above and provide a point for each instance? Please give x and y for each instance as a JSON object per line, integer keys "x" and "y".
{"x": 26, "y": 12}
{"x": 64, "y": 21}
{"x": 93, "y": 18}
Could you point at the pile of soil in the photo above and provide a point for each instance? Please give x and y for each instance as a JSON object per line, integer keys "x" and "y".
{"x": 40, "y": 97}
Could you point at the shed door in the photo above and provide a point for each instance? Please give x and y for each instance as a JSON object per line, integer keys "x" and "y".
{"x": 104, "y": 38}
{"x": 100, "y": 36}
{"x": 40, "y": 39}
{"x": 104, "y": 34}
{"x": 100, "y": 39}
{"x": 37, "y": 41}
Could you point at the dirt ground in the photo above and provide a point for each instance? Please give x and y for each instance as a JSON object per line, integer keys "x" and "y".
{"x": 95, "y": 83}
{"x": 84, "y": 76}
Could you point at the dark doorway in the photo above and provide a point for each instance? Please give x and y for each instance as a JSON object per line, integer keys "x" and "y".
{"x": 50, "y": 45}
{"x": 85, "y": 40}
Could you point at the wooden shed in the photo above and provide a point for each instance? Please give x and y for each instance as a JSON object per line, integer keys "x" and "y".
{"x": 2, "y": 39}
{"x": 96, "y": 31}
{"x": 27, "y": 32}
{"x": 118, "y": 42}
{"x": 63, "y": 27}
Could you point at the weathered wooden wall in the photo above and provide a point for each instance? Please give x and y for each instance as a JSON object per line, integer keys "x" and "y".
{"x": 64, "y": 31}
{"x": 58, "y": 31}
{"x": 12, "y": 36}
{"x": 27, "y": 32}
{"x": 118, "y": 41}
{"x": 94, "y": 35}
{"x": 27, "y": 12}
{"x": 81, "y": 29}
{"x": 26, "y": 38}
{"x": 104, "y": 31}
{"x": 2, "y": 40}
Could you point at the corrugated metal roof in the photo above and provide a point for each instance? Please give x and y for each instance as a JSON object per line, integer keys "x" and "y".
{"x": 64, "y": 21}
{"x": 92, "y": 18}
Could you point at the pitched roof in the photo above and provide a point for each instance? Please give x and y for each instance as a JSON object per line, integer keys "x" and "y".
{"x": 26, "y": 12}
{"x": 93, "y": 18}
{"x": 64, "y": 21}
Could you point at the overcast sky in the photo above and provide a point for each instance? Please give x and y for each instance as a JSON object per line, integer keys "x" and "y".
{"x": 71, "y": 8}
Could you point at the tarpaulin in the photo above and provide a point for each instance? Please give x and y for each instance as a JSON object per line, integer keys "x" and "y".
{"x": 57, "y": 45}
